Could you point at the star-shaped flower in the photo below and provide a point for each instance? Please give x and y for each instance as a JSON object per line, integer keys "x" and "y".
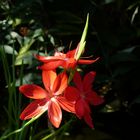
{"x": 51, "y": 98}
{"x": 83, "y": 95}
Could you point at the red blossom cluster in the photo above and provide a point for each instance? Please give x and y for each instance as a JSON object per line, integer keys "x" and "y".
{"x": 58, "y": 93}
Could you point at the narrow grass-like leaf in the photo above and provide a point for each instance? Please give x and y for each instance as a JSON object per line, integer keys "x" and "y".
{"x": 21, "y": 129}
{"x": 60, "y": 130}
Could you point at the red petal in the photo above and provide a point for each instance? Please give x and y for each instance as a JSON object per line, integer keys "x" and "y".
{"x": 68, "y": 59}
{"x": 60, "y": 84}
{"x": 71, "y": 93}
{"x": 48, "y": 58}
{"x": 51, "y": 65}
{"x": 34, "y": 109}
{"x": 88, "y": 120}
{"x": 83, "y": 61}
{"x": 81, "y": 108}
{"x": 69, "y": 63}
{"x": 33, "y": 91}
{"x": 88, "y": 80}
{"x": 70, "y": 54}
{"x": 54, "y": 113}
{"x": 48, "y": 78}
{"x": 66, "y": 105}
{"x": 78, "y": 81}
{"x": 93, "y": 98}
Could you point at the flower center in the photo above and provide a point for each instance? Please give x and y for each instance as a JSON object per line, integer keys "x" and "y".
{"x": 50, "y": 94}
{"x": 83, "y": 96}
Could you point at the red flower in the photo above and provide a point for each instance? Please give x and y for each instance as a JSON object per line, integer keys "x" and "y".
{"x": 84, "y": 96}
{"x": 67, "y": 60}
{"x": 50, "y": 98}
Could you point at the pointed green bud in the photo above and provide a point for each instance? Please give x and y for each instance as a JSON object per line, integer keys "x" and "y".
{"x": 82, "y": 41}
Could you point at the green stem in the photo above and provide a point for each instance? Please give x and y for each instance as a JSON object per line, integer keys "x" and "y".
{"x": 8, "y": 82}
{"x": 58, "y": 131}
{"x": 72, "y": 72}
{"x": 19, "y": 130}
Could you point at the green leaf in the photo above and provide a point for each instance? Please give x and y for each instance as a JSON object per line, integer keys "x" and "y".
{"x": 26, "y": 42}
{"x": 82, "y": 41}
{"x": 24, "y": 58}
{"x": 28, "y": 79}
{"x": 37, "y": 33}
{"x": 9, "y": 50}
{"x": 26, "y": 45}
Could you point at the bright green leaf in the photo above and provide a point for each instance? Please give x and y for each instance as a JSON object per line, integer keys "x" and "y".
{"x": 27, "y": 45}
{"x": 25, "y": 58}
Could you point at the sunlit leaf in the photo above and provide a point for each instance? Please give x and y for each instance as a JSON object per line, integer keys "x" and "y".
{"x": 25, "y": 58}
{"x": 27, "y": 44}
{"x": 16, "y": 22}
{"x": 9, "y": 50}
{"x": 14, "y": 34}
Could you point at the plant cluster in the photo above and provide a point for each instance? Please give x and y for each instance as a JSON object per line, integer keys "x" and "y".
{"x": 58, "y": 91}
{"x": 61, "y": 77}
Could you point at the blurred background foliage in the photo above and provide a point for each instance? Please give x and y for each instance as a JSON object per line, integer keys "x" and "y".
{"x": 32, "y": 26}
